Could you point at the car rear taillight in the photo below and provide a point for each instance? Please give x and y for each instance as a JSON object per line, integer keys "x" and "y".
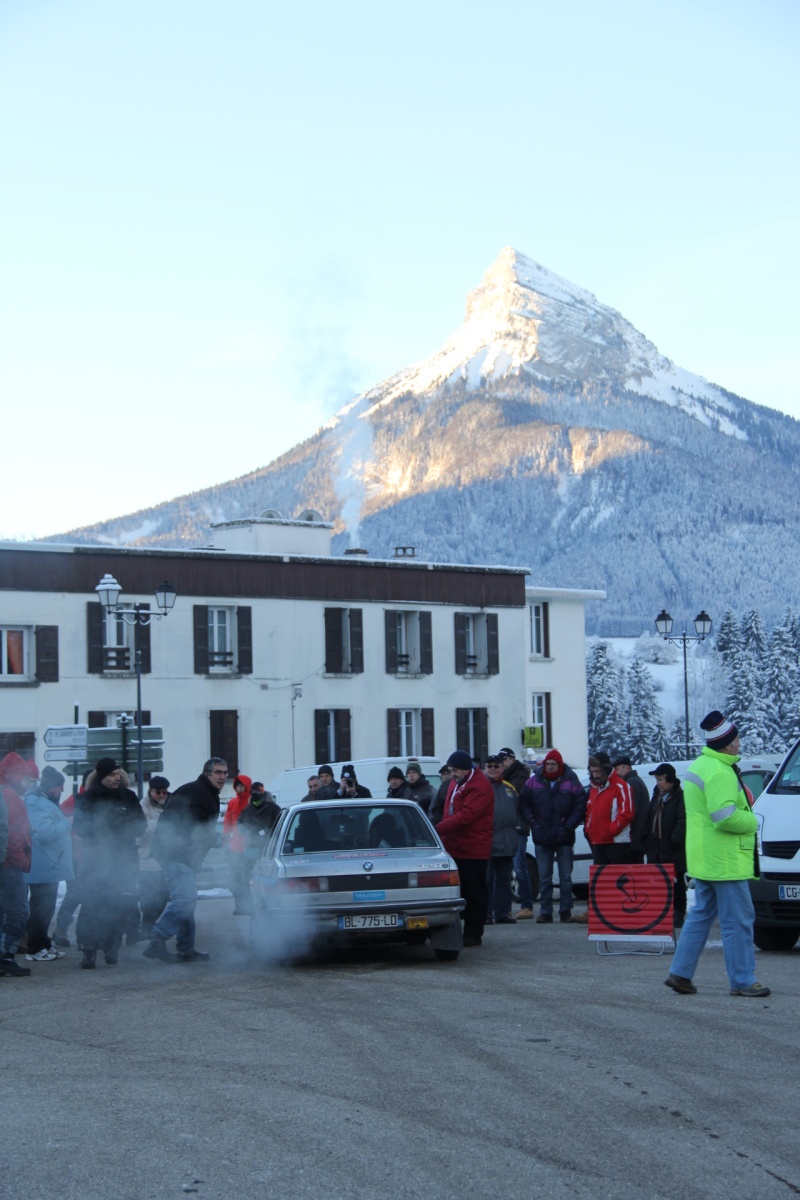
{"x": 311, "y": 884}
{"x": 433, "y": 879}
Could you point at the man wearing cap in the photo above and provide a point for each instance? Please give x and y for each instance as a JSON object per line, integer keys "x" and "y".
{"x": 609, "y": 812}
{"x": 466, "y": 831}
{"x": 153, "y": 890}
{"x": 721, "y": 856}
{"x": 398, "y": 789}
{"x": 517, "y": 774}
{"x": 328, "y": 787}
{"x": 664, "y": 833}
{"x": 505, "y": 838}
{"x": 553, "y": 804}
{"x": 641, "y": 802}
{"x": 349, "y": 787}
{"x": 419, "y": 789}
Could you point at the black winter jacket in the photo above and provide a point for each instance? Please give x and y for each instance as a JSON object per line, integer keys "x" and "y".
{"x": 553, "y": 812}
{"x": 187, "y": 828}
{"x": 670, "y": 846}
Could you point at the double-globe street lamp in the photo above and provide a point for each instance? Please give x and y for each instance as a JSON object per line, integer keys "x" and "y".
{"x": 138, "y": 614}
{"x": 702, "y": 624}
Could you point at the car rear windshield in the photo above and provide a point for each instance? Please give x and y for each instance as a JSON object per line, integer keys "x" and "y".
{"x": 356, "y": 827}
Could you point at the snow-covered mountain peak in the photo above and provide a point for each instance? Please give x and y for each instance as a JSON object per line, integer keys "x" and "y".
{"x": 523, "y": 319}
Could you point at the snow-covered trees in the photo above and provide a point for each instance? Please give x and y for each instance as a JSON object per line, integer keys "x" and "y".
{"x": 646, "y": 732}
{"x": 605, "y": 698}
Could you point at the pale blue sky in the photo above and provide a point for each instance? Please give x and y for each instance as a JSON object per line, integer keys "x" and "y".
{"x": 219, "y": 221}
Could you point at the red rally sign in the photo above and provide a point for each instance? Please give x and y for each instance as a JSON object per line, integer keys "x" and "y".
{"x": 633, "y": 903}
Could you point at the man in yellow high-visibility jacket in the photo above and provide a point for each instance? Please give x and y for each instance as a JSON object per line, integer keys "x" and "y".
{"x": 720, "y": 856}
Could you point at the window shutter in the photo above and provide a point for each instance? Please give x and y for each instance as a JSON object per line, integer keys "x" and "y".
{"x": 426, "y": 720}
{"x": 47, "y": 653}
{"x": 425, "y": 644}
{"x": 341, "y": 721}
{"x": 492, "y": 645}
{"x": 224, "y": 737}
{"x": 146, "y": 716}
{"x": 391, "y": 641}
{"x": 94, "y": 637}
{"x": 96, "y": 720}
{"x": 244, "y": 639}
{"x": 461, "y": 620}
{"x": 334, "y": 663}
{"x": 393, "y": 732}
{"x": 141, "y": 642}
{"x": 483, "y": 733}
{"x": 356, "y": 641}
{"x": 200, "y": 619}
{"x": 546, "y": 631}
{"x": 548, "y": 728}
{"x": 322, "y": 750}
{"x": 462, "y": 730}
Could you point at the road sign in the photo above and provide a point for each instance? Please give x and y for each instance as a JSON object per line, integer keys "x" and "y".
{"x": 65, "y": 754}
{"x": 66, "y": 735}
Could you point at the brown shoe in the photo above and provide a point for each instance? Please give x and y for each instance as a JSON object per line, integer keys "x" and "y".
{"x": 580, "y": 918}
{"x": 525, "y": 914}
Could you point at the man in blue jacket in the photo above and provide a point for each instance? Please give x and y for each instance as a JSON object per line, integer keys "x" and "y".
{"x": 553, "y": 803}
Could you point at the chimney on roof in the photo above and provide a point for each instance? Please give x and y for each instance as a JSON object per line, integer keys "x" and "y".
{"x": 405, "y": 551}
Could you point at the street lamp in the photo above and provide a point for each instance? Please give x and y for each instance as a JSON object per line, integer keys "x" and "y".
{"x": 702, "y": 624}
{"x": 109, "y": 592}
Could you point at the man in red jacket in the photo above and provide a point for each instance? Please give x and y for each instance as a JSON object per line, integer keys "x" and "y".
{"x": 466, "y": 831}
{"x": 14, "y": 778}
{"x": 609, "y": 812}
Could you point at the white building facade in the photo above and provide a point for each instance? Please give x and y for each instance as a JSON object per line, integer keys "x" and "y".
{"x": 277, "y": 654}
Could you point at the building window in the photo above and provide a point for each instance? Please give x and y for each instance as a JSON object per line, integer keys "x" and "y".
{"x": 538, "y": 735}
{"x": 344, "y": 641}
{"x": 410, "y": 732}
{"x": 23, "y": 744}
{"x": 223, "y": 741}
{"x": 472, "y": 732}
{"x": 223, "y": 639}
{"x": 409, "y": 642}
{"x": 540, "y": 630}
{"x": 477, "y": 644}
{"x": 28, "y": 653}
{"x": 109, "y": 718}
{"x": 112, "y": 643}
{"x": 332, "y": 735}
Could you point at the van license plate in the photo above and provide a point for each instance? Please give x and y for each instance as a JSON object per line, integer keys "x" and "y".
{"x": 371, "y": 921}
{"x": 789, "y": 891}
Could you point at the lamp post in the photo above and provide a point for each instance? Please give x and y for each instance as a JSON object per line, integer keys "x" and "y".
{"x": 702, "y": 624}
{"x": 109, "y": 592}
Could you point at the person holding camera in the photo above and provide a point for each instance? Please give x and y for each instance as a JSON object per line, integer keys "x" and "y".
{"x": 349, "y": 786}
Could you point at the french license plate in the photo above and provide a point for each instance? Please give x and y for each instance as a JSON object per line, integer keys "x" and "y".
{"x": 789, "y": 891}
{"x": 371, "y": 921}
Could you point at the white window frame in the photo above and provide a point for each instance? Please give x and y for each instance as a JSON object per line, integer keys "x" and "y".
{"x": 410, "y": 732}
{"x": 224, "y": 665}
{"x": 118, "y": 635}
{"x": 408, "y": 641}
{"x": 26, "y": 674}
{"x": 537, "y": 629}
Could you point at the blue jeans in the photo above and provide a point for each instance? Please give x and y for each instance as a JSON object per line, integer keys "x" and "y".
{"x": 730, "y": 900}
{"x": 177, "y": 919}
{"x": 521, "y": 872}
{"x": 13, "y": 909}
{"x": 545, "y": 857}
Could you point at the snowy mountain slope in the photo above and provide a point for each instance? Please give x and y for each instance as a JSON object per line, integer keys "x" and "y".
{"x": 546, "y": 431}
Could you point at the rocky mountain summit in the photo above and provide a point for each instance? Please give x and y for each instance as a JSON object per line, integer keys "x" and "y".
{"x": 546, "y": 432}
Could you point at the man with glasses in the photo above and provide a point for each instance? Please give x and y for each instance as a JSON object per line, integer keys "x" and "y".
{"x": 186, "y": 831}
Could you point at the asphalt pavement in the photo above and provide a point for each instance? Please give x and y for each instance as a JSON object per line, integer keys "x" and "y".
{"x": 531, "y": 1067}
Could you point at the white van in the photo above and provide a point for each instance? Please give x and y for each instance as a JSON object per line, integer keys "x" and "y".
{"x": 776, "y": 895}
{"x": 290, "y": 786}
